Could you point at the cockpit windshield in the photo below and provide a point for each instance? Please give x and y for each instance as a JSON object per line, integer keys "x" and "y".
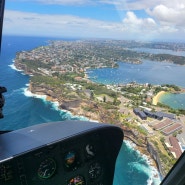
{"x": 110, "y": 61}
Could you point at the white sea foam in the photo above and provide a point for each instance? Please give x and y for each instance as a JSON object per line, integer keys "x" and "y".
{"x": 30, "y": 94}
{"x": 13, "y": 67}
{"x": 55, "y": 105}
{"x": 149, "y": 181}
{"x": 155, "y": 177}
{"x": 150, "y": 171}
{"x": 130, "y": 144}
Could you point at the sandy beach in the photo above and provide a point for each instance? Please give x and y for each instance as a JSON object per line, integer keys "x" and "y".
{"x": 156, "y": 98}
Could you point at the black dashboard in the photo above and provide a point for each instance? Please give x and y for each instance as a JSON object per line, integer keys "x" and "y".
{"x": 60, "y": 153}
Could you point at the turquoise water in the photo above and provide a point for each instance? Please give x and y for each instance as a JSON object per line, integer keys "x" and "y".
{"x": 134, "y": 169}
{"x": 176, "y": 101}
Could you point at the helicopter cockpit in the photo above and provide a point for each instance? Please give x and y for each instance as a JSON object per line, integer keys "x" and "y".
{"x": 70, "y": 152}
{"x": 64, "y": 153}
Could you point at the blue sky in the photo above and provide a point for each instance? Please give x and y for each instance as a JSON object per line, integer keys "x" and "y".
{"x": 114, "y": 19}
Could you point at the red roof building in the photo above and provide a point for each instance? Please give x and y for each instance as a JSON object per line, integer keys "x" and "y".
{"x": 175, "y": 149}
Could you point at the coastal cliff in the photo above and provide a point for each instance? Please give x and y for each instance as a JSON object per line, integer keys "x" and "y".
{"x": 76, "y": 105}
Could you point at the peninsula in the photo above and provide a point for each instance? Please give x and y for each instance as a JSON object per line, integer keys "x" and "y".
{"x": 60, "y": 71}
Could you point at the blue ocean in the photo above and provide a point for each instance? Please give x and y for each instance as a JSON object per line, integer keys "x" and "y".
{"x": 23, "y": 109}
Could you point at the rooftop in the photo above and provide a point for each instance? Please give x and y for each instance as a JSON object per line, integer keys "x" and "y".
{"x": 162, "y": 124}
{"x": 169, "y": 130}
{"x": 175, "y": 147}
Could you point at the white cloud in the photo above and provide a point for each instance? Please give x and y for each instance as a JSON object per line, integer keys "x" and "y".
{"x": 164, "y": 16}
{"x": 25, "y": 23}
{"x": 138, "y": 24}
{"x": 151, "y": 28}
{"x": 143, "y": 4}
{"x": 169, "y": 16}
{"x": 159, "y": 24}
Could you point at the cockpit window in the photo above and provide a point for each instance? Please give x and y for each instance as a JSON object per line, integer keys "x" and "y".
{"x": 111, "y": 61}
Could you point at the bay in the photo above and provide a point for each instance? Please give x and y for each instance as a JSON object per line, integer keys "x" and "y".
{"x": 152, "y": 72}
{"x": 176, "y": 101}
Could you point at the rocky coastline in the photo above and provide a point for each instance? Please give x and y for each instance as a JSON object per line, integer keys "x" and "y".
{"x": 74, "y": 106}
{"x": 146, "y": 148}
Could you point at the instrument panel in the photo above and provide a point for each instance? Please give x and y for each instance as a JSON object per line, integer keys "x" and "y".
{"x": 84, "y": 159}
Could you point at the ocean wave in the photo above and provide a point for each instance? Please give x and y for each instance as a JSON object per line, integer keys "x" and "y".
{"x": 144, "y": 164}
{"x": 55, "y": 106}
{"x": 13, "y": 66}
{"x": 30, "y": 94}
{"x": 130, "y": 144}
{"x": 155, "y": 177}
